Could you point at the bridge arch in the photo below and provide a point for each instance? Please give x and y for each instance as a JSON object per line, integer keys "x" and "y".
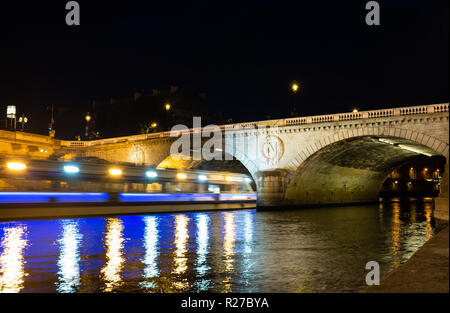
{"x": 433, "y": 143}
{"x": 351, "y": 165}
{"x": 229, "y": 164}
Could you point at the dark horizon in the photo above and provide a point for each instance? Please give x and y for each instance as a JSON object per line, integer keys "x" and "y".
{"x": 241, "y": 55}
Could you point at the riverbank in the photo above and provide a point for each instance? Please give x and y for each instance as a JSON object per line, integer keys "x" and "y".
{"x": 427, "y": 271}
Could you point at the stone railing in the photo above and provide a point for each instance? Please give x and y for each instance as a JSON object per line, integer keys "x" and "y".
{"x": 424, "y": 109}
{"x": 443, "y": 107}
{"x": 30, "y": 137}
{"x": 114, "y": 140}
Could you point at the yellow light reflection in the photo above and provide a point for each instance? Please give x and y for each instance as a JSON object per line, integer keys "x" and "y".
{"x": 396, "y": 229}
{"x": 69, "y": 258}
{"x": 114, "y": 259}
{"x": 151, "y": 250}
{"x": 181, "y": 239}
{"x": 202, "y": 250}
{"x": 413, "y": 213}
{"x": 12, "y": 260}
{"x": 428, "y": 208}
{"x": 380, "y": 215}
{"x": 228, "y": 247}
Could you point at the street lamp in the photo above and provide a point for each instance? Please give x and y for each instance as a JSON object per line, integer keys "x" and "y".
{"x": 295, "y": 86}
{"x": 23, "y": 119}
{"x": 355, "y": 110}
{"x": 88, "y": 119}
{"x": 167, "y": 106}
{"x": 154, "y": 125}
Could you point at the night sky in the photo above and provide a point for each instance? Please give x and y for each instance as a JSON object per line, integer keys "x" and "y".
{"x": 242, "y": 54}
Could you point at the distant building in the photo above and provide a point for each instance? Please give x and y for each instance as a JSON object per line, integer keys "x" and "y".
{"x": 419, "y": 178}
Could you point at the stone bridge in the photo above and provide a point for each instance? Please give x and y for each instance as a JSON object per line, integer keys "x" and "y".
{"x": 315, "y": 160}
{"x": 327, "y": 159}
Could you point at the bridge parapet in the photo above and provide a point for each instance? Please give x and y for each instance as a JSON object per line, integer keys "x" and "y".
{"x": 132, "y": 138}
{"x": 383, "y": 113}
{"x": 425, "y": 109}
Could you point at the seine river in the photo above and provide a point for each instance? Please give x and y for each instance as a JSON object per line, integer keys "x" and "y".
{"x": 308, "y": 250}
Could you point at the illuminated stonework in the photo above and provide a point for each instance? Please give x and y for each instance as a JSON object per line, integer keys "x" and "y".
{"x": 137, "y": 155}
{"x": 272, "y": 149}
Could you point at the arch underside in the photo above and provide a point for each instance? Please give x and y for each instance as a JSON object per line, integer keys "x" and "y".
{"x": 351, "y": 170}
{"x": 223, "y": 164}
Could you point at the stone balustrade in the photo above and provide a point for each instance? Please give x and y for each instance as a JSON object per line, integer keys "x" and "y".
{"x": 383, "y": 113}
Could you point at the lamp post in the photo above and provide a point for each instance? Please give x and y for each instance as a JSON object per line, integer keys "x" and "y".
{"x": 295, "y": 86}
{"x": 23, "y": 119}
{"x": 167, "y": 107}
{"x": 51, "y": 131}
{"x": 86, "y": 129}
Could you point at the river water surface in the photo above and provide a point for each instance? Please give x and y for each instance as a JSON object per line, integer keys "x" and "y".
{"x": 308, "y": 250}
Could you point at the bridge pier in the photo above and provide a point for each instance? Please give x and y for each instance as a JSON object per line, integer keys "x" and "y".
{"x": 271, "y": 186}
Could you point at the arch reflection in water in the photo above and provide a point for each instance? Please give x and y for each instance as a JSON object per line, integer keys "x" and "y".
{"x": 151, "y": 238}
{"x": 181, "y": 239}
{"x": 69, "y": 257}
{"x": 114, "y": 259}
{"x": 202, "y": 251}
{"x": 228, "y": 248}
{"x": 12, "y": 260}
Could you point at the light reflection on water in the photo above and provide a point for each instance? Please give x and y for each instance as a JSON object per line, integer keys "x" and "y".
{"x": 228, "y": 249}
{"x": 396, "y": 231}
{"x": 69, "y": 258}
{"x": 11, "y": 259}
{"x": 181, "y": 238}
{"x": 202, "y": 266}
{"x": 234, "y": 251}
{"x": 114, "y": 259}
{"x": 151, "y": 239}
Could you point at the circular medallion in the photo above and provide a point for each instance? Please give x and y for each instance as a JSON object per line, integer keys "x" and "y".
{"x": 272, "y": 149}
{"x": 137, "y": 155}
